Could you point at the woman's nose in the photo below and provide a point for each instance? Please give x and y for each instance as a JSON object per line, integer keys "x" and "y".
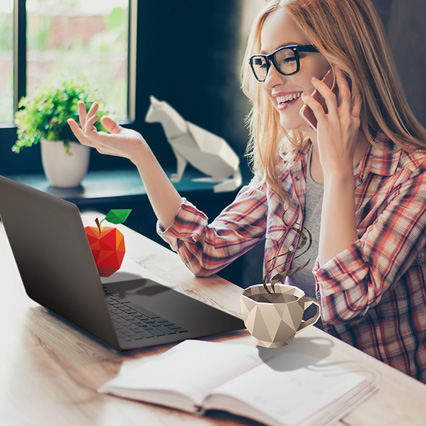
{"x": 273, "y": 77}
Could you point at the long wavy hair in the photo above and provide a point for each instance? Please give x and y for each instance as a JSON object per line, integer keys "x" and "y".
{"x": 347, "y": 33}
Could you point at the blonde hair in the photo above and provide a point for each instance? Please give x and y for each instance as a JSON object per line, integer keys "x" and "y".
{"x": 347, "y": 33}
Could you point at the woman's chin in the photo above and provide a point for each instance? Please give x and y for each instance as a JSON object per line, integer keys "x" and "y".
{"x": 293, "y": 123}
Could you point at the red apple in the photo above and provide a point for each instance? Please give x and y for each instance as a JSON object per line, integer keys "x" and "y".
{"x": 107, "y": 243}
{"x": 107, "y": 248}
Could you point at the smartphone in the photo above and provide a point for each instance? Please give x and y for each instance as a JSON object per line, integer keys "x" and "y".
{"x": 306, "y": 112}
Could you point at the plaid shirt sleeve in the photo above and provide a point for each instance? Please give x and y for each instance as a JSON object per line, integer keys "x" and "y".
{"x": 207, "y": 248}
{"x": 355, "y": 280}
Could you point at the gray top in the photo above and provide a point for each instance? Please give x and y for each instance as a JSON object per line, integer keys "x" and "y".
{"x": 304, "y": 278}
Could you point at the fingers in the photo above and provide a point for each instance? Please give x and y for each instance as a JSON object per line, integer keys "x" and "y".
{"x": 88, "y": 119}
{"x": 78, "y": 133}
{"x": 357, "y": 100}
{"x": 115, "y": 141}
{"x": 327, "y": 93}
{"x": 315, "y": 106}
{"x": 111, "y": 125}
{"x": 85, "y": 116}
{"x": 91, "y": 137}
{"x": 88, "y": 135}
{"x": 102, "y": 137}
{"x": 87, "y": 122}
{"x": 347, "y": 102}
{"x": 344, "y": 92}
{"x": 74, "y": 128}
{"x": 107, "y": 143}
{"x": 93, "y": 109}
{"x": 82, "y": 114}
{"x": 350, "y": 100}
{"x": 92, "y": 117}
{"x": 90, "y": 122}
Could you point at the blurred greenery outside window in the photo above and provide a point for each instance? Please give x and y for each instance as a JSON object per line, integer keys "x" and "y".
{"x": 70, "y": 36}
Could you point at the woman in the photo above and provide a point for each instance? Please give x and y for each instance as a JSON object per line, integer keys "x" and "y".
{"x": 356, "y": 183}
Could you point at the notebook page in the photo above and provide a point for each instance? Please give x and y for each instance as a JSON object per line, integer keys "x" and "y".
{"x": 192, "y": 367}
{"x": 291, "y": 389}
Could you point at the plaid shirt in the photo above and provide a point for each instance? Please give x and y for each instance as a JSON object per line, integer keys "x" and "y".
{"x": 372, "y": 294}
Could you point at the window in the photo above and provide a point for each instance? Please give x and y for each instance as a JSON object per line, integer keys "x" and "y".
{"x": 70, "y": 36}
{"x": 6, "y": 61}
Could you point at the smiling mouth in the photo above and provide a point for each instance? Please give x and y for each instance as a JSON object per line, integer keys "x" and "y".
{"x": 290, "y": 97}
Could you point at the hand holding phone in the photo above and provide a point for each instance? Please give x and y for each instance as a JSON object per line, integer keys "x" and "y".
{"x": 306, "y": 112}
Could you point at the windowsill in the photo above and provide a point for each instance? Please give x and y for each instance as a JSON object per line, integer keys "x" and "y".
{"x": 102, "y": 186}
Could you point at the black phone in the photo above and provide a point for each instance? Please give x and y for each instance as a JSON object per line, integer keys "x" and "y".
{"x": 306, "y": 112}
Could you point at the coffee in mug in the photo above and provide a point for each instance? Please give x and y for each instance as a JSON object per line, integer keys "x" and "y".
{"x": 273, "y": 319}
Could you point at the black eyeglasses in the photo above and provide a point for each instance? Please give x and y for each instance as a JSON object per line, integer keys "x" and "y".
{"x": 286, "y": 60}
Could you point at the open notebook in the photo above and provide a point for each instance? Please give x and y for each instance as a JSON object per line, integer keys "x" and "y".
{"x": 277, "y": 387}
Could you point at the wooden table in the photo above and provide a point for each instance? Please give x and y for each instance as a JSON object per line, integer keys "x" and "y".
{"x": 49, "y": 371}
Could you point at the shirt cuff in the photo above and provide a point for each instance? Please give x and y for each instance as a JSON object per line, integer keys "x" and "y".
{"x": 185, "y": 226}
{"x": 341, "y": 273}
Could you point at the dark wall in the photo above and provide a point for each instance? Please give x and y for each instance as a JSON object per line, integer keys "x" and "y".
{"x": 189, "y": 55}
{"x": 405, "y": 25}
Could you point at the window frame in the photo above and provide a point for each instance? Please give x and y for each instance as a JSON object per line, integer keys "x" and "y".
{"x": 8, "y": 130}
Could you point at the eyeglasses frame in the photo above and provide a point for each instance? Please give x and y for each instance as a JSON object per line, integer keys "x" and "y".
{"x": 271, "y": 58}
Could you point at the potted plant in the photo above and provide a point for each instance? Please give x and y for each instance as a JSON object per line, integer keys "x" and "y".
{"x": 42, "y": 118}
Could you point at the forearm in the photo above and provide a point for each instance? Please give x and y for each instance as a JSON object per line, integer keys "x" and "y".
{"x": 205, "y": 247}
{"x": 389, "y": 251}
{"x": 130, "y": 144}
{"x": 164, "y": 198}
{"x": 338, "y": 226}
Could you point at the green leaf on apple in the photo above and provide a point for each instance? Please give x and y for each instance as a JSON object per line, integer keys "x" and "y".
{"x": 115, "y": 216}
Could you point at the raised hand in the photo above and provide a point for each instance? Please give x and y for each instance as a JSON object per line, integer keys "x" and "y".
{"x": 337, "y": 130}
{"x": 118, "y": 142}
{"x": 340, "y": 145}
{"x": 127, "y": 143}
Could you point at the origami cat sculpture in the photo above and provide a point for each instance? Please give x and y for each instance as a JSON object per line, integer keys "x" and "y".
{"x": 191, "y": 144}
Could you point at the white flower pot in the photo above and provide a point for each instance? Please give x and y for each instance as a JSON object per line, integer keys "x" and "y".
{"x": 64, "y": 169}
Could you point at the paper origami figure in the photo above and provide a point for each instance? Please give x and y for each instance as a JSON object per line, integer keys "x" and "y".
{"x": 274, "y": 319}
{"x": 191, "y": 144}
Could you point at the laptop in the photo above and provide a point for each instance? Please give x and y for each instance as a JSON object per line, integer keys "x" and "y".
{"x": 56, "y": 265}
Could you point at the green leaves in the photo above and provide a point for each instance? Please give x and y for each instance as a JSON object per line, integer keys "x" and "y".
{"x": 44, "y": 114}
{"x": 117, "y": 216}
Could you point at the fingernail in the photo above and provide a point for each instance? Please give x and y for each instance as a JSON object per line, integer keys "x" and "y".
{"x": 314, "y": 78}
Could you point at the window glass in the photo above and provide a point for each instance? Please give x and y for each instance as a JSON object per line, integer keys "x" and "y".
{"x": 75, "y": 36}
{"x": 6, "y": 61}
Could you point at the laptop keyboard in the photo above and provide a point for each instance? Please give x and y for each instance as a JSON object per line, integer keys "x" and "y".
{"x": 131, "y": 324}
